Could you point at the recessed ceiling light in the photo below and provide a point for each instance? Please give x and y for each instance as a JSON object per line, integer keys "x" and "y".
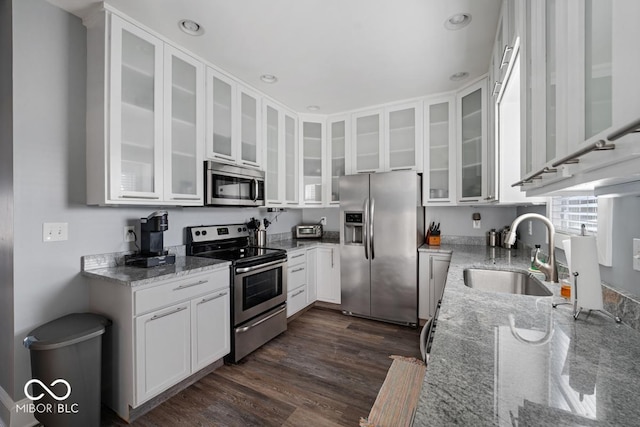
{"x": 459, "y": 76}
{"x": 313, "y": 108}
{"x": 268, "y": 78}
{"x": 457, "y": 21}
{"x": 191, "y": 27}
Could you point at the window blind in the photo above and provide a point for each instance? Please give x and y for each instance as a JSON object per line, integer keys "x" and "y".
{"x": 568, "y": 213}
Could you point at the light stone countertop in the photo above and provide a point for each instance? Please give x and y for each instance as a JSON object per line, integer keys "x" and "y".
{"x": 294, "y": 244}
{"x": 138, "y": 276}
{"x": 558, "y": 371}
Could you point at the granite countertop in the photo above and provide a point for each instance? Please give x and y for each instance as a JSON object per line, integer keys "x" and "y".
{"x": 552, "y": 370}
{"x": 292, "y": 244}
{"x": 139, "y": 276}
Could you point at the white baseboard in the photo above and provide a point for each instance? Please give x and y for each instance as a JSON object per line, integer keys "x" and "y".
{"x": 16, "y": 419}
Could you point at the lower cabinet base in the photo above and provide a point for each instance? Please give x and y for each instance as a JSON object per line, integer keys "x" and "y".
{"x": 135, "y": 413}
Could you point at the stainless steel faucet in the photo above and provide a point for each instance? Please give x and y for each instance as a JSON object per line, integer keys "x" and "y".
{"x": 549, "y": 269}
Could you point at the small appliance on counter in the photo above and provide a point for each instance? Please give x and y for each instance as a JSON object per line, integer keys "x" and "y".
{"x": 308, "y": 231}
{"x": 152, "y": 252}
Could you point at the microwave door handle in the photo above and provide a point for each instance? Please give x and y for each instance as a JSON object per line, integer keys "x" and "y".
{"x": 255, "y": 190}
{"x": 366, "y": 229}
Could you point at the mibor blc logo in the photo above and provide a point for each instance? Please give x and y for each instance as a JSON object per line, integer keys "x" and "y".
{"x": 49, "y": 408}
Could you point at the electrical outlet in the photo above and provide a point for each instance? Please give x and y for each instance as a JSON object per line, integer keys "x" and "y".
{"x": 530, "y": 228}
{"x": 323, "y": 220}
{"x": 55, "y": 231}
{"x": 129, "y": 235}
{"x": 636, "y": 254}
{"x": 476, "y": 223}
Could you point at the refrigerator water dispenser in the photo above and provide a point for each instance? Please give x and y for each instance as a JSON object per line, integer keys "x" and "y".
{"x": 353, "y": 225}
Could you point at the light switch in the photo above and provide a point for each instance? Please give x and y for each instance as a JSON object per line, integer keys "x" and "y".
{"x": 636, "y": 254}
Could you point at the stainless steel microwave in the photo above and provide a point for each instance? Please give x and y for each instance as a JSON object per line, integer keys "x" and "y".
{"x": 229, "y": 185}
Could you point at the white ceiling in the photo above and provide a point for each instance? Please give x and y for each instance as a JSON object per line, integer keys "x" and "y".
{"x": 337, "y": 54}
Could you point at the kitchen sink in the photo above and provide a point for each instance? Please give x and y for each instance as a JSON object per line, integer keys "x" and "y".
{"x": 505, "y": 281}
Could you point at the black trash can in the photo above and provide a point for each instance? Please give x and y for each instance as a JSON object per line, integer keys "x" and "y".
{"x": 66, "y": 366}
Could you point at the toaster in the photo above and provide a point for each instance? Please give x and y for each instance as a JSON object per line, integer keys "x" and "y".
{"x": 309, "y": 231}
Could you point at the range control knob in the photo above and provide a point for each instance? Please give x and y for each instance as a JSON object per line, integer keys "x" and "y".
{"x": 244, "y": 228}
{"x": 239, "y": 229}
{"x": 204, "y": 232}
{"x": 197, "y": 233}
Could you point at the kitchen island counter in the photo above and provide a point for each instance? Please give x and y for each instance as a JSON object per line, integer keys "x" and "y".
{"x": 503, "y": 359}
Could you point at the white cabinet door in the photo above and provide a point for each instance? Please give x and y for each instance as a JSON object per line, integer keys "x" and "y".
{"x": 439, "y": 177}
{"x": 210, "y": 328}
{"x": 296, "y": 300}
{"x": 183, "y": 128}
{"x": 312, "y": 161}
{"x": 250, "y": 125}
{"x": 162, "y": 350}
{"x": 312, "y": 275}
{"x": 403, "y": 129}
{"x": 338, "y": 154}
{"x": 328, "y": 274}
{"x": 136, "y": 114}
{"x": 273, "y": 155}
{"x": 367, "y": 142}
{"x": 432, "y": 277}
{"x": 472, "y": 143}
{"x": 290, "y": 150}
{"x": 221, "y": 107}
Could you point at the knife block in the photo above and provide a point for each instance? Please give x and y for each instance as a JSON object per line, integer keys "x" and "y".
{"x": 433, "y": 239}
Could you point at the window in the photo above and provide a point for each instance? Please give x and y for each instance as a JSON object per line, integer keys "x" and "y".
{"x": 569, "y": 213}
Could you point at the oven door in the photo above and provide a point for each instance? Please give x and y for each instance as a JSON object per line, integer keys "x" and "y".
{"x": 230, "y": 189}
{"x": 257, "y": 289}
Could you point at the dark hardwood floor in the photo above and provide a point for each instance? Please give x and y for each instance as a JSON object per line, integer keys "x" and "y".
{"x": 325, "y": 370}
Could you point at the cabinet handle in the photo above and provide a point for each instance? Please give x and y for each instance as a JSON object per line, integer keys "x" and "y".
{"x": 430, "y": 268}
{"x": 297, "y": 269}
{"x": 190, "y": 285}
{"x": 496, "y": 88}
{"x": 504, "y": 61}
{"x": 469, "y": 201}
{"x": 331, "y": 257}
{"x": 127, "y": 196}
{"x": 254, "y": 165}
{"x": 221, "y": 157}
{"x": 297, "y": 256}
{"x": 186, "y": 198}
{"x": 402, "y": 169}
{"x": 367, "y": 172}
{"x": 489, "y": 198}
{"x": 158, "y": 316}
{"x": 535, "y": 175}
{"x": 220, "y": 295}
{"x": 297, "y": 293}
{"x": 599, "y": 145}
{"x": 275, "y": 203}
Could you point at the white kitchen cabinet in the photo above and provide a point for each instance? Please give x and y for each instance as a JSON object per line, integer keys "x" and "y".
{"x": 367, "y": 141}
{"x": 439, "y": 176}
{"x": 403, "y": 141}
{"x": 432, "y": 277}
{"x": 296, "y": 280}
{"x": 183, "y": 127}
{"x": 472, "y": 143}
{"x": 280, "y": 149}
{"x": 144, "y": 117}
{"x": 250, "y": 127}
{"x": 328, "y": 273}
{"x": 312, "y": 160}
{"x": 210, "y": 328}
{"x": 162, "y": 333}
{"x": 163, "y": 349}
{"x": 312, "y": 275}
{"x": 338, "y": 154}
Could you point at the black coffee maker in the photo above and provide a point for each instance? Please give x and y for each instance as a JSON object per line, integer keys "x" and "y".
{"x": 152, "y": 252}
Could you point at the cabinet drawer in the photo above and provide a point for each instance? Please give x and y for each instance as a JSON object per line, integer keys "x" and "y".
{"x": 297, "y": 276}
{"x": 296, "y": 257}
{"x": 296, "y": 300}
{"x": 179, "y": 290}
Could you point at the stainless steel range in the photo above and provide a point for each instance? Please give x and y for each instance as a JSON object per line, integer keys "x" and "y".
{"x": 258, "y": 282}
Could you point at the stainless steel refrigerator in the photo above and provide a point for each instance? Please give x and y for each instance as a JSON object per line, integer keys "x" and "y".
{"x": 381, "y": 228}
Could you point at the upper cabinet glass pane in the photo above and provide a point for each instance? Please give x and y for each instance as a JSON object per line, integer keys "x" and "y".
{"x": 472, "y": 144}
{"x": 137, "y": 114}
{"x": 368, "y": 143}
{"x": 291, "y": 189}
{"x": 273, "y": 170}
{"x": 551, "y": 78}
{"x": 338, "y": 134}
{"x": 402, "y": 138}
{"x": 249, "y": 129}
{"x": 438, "y": 128}
{"x": 312, "y": 161}
{"x": 598, "y": 70}
{"x": 222, "y": 104}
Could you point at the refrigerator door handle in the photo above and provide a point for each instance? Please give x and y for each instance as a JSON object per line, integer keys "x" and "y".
{"x": 371, "y": 224}
{"x": 366, "y": 229}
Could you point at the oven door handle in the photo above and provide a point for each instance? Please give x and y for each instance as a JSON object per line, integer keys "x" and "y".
{"x": 246, "y": 328}
{"x": 257, "y": 267}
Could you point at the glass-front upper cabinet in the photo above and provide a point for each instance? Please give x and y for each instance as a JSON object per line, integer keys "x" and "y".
{"x": 313, "y": 153}
{"x": 367, "y": 140}
{"x": 279, "y": 155}
{"x": 136, "y": 137}
{"x": 184, "y": 127}
{"x": 471, "y": 121}
{"x": 439, "y": 175}
{"x": 404, "y": 137}
{"x": 290, "y": 159}
{"x": 273, "y": 151}
{"x": 249, "y": 127}
{"x": 221, "y": 104}
{"x": 337, "y": 153}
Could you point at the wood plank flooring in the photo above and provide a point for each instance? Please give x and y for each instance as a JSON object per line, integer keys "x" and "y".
{"x": 325, "y": 370}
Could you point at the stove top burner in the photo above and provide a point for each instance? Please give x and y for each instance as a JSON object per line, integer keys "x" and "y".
{"x": 236, "y": 254}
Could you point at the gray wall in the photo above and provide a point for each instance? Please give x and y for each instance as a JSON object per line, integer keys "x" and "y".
{"x": 49, "y": 175}
{"x": 456, "y": 220}
{"x": 626, "y": 226}
{"x": 6, "y": 204}
{"x": 312, "y": 216}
